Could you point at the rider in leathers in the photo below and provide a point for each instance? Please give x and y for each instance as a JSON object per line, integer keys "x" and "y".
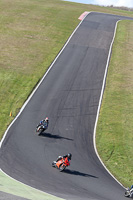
{"x": 44, "y": 122}
{"x": 67, "y": 157}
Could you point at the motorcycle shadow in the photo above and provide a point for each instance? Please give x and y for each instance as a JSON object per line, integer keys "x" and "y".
{"x": 49, "y": 135}
{"x": 77, "y": 173}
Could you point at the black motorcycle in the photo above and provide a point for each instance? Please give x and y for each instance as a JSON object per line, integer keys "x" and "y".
{"x": 40, "y": 129}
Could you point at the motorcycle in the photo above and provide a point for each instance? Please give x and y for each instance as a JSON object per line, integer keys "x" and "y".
{"x": 40, "y": 129}
{"x": 61, "y": 164}
{"x": 129, "y": 193}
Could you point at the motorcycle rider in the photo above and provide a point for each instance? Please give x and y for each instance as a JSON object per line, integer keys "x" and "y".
{"x": 67, "y": 157}
{"x": 44, "y": 122}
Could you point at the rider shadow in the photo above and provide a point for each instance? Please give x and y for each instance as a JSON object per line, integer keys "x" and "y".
{"x": 77, "y": 173}
{"x": 49, "y": 135}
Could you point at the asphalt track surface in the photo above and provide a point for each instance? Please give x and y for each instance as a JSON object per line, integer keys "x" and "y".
{"x": 69, "y": 96}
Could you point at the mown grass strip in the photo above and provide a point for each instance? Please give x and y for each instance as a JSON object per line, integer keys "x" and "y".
{"x": 114, "y": 130}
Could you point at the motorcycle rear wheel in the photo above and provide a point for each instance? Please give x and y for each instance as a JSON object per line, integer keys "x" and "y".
{"x": 62, "y": 168}
{"x": 41, "y": 130}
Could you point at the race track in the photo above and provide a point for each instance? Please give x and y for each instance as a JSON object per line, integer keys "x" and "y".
{"x": 69, "y": 96}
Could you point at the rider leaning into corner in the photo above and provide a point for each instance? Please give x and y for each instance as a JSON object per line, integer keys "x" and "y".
{"x": 67, "y": 158}
{"x": 44, "y": 122}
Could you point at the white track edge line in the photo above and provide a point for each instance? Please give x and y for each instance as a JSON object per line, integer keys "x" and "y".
{"x": 30, "y": 186}
{"x": 26, "y": 102}
{"x": 100, "y": 101}
{"x": 94, "y": 133}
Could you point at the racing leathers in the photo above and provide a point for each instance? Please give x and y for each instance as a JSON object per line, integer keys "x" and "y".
{"x": 44, "y": 123}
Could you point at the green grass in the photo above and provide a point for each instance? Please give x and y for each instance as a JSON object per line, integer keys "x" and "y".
{"x": 115, "y": 125}
{"x": 32, "y": 32}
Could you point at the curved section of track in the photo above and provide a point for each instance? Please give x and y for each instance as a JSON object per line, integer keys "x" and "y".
{"x": 69, "y": 96}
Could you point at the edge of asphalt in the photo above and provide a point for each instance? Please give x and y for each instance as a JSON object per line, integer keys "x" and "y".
{"x": 100, "y": 102}
{"x": 8, "y": 184}
{"x": 11, "y": 186}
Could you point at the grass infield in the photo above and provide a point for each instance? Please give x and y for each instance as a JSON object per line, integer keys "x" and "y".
{"x": 115, "y": 125}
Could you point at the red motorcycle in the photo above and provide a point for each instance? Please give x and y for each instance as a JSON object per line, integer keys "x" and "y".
{"x": 61, "y": 163}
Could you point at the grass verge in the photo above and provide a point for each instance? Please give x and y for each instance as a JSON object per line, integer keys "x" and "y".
{"x": 114, "y": 130}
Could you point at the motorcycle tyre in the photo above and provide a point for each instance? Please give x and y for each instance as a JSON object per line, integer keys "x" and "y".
{"x": 62, "y": 168}
{"x": 127, "y": 194}
{"x": 41, "y": 131}
{"x": 54, "y": 164}
{"x": 36, "y": 129}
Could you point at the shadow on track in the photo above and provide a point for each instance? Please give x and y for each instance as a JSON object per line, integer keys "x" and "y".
{"x": 77, "y": 173}
{"x": 49, "y": 135}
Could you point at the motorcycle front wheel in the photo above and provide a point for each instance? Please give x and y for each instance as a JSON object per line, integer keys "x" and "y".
{"x": 54, "y": 164}
{"x": 127, "y": 194}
